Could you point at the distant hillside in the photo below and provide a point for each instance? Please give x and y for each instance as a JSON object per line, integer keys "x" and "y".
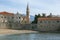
{"x": 31, "y": 17}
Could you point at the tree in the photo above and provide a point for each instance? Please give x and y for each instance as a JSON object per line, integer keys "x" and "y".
{"x": 36, "y": 18}
{"x": 43, "y": 15}
{"x": 38, "y": 15}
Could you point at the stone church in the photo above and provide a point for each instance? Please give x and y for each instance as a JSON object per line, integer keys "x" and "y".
{"x": 11, "y": 17}
{"x": 7, "y": 18}
{"x": 26, "y": 18}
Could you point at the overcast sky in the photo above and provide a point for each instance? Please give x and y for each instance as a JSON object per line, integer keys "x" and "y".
{"x": 36, "y": 6}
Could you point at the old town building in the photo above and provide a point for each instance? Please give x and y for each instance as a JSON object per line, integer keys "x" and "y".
{"x": 48, "y": 23}
{"x": 8, "y": 19}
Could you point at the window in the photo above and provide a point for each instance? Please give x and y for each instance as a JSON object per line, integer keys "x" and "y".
{"x": 12, "y": 17}
{"x": 1, "y": 16}
{"x": 19, "y": 17}
{"x": 4, "y": 17}
{"x": 57, "y": 21}
{"x": 19, "y": 21}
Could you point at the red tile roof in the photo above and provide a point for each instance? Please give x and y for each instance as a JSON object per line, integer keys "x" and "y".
{"x": 6, "y": 13}
{"x": 52, "y": 18}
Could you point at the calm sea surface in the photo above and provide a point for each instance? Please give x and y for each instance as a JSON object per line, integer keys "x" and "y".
{"x": 36, "y": 36}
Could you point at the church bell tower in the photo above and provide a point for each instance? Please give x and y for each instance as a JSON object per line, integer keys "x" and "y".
{"x": 27, "y": 13}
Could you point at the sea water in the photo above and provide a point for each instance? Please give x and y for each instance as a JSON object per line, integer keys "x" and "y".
{"x": 32, "y": 36}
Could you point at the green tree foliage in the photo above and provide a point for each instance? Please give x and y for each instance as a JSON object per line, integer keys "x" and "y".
{"x": 35, "y": 18}
{"x": 39, "y": 16}
{"x": 43, "y": 15}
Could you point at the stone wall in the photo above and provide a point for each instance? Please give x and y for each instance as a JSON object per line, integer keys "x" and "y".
{"x": 24, "y": 26}
{"x": 48, "y": 27}
{"x": 16, "y": 25}
{"x": 36, "y": 27}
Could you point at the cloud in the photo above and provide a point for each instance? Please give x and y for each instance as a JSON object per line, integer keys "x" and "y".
{"x": 8, "y": 9}
{"x": 36, "y": 6}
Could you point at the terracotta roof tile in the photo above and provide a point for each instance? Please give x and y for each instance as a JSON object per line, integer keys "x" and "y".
{"x": 6, "y": 13}
{"x": 52, "y": 18}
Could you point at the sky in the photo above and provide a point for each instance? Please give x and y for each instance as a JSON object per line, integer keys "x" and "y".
{"x": 35, "y": 6}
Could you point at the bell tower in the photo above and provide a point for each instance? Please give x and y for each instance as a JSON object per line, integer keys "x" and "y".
{"x": 27, "y": 13}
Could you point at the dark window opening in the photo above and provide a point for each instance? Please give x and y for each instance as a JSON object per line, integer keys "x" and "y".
{"x": 12, "y": 17}
{"x": 4, "y": 17}
{"x": 1, "y": 17}
{"x": 19, "y": 17}
{"x": 57, "y": 21}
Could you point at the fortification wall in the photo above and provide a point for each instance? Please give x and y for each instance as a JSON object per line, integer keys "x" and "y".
{"x": 28, "y": 27}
